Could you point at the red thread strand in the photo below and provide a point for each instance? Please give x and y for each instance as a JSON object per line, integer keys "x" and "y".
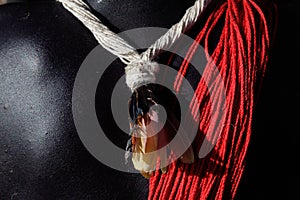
{"x": 238, "y": 63}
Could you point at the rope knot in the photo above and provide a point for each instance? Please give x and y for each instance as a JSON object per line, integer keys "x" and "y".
{"x": 140, "y": 72}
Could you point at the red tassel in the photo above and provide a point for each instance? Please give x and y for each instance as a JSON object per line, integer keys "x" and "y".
{"x": 241, "y": 57}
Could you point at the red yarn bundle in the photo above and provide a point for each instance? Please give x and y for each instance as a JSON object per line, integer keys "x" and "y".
{"x": 241, "y": 57}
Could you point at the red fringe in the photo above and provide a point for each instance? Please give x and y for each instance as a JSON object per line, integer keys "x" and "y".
{"x": 240, "y": 58}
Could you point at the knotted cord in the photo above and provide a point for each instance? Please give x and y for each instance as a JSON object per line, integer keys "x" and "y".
{"x": 116, "y": 45}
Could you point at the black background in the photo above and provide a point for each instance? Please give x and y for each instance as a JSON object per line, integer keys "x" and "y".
{"x": 41, "y": 156}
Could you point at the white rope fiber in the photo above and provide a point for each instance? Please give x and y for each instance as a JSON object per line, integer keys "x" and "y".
{"x": 172, "y": 35}
{"x": 140, "y": 69}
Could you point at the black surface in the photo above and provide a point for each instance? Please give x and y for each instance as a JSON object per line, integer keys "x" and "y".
{"x": 41, "y": 156}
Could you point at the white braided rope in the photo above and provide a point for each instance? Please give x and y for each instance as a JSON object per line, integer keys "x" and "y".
{"x": 140, "y": 69}
{"x": 106, "y": 38}
{"x": 172, "y": 35}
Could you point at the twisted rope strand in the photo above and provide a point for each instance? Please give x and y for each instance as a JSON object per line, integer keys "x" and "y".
{"x": 140, "y": 69}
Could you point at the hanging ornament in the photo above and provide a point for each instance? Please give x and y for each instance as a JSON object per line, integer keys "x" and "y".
{"x": 140, "y": 72}
{"x": 238, "y": 36}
